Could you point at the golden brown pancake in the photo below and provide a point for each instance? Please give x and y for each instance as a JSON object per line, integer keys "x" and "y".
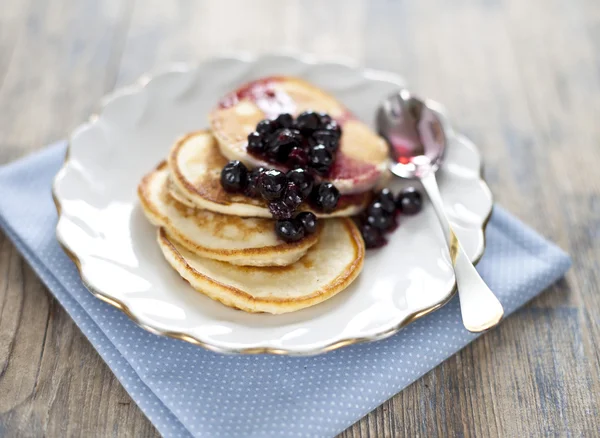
{"x": 326, "y": 269}
{"x": 361, "y": 159}
{"x": 241, "y": 241}
{"x": 195, "y": 165}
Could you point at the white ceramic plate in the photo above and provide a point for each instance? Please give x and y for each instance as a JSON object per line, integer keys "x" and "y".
{"x": 103, "y": 229}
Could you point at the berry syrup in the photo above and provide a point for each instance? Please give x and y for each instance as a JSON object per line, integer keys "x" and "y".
{"x": 272, "y": 100}
{"x": 268, "y": 97}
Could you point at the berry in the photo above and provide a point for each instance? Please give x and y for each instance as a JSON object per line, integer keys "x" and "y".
{"x": 334, "y": 127}
{"x": 324, "y": 118}
{"x": 307, "y": 122}
{"x": 255, "y": 143}
{"x": 372, "y": 236}
{"x": 325, "y": 197}
{"x": 303, "y": 180}
{"x": 378, "y": 217}
{"x": 308, "y": 221}
{"x": 284, "y": 120}
{"x": 386, "y": 198}
{"x": 376, "y": 209}
{"x": 297, "y": 143}
{"x": 292, "y": 196}
{"x": 271, "y": 184}
{"x": 409, "y": 201}
{"x": 289, "y": 230}
{"x": 328, "y": 139}
{"x": 320, "y": 159}
{"x": 297, "y": 158}
{"x": 382, "y": 223}
{"x": 280, "y": 210}
{"x": 296, "y": 134}
{"x": 281, "y": 143}
{"x": 234, "y": 177}
{"x": 266, "y": 126}
{"x": 251, "y": 188}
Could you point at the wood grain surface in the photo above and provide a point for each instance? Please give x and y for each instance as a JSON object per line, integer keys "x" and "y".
{"x": 521, "y": 78}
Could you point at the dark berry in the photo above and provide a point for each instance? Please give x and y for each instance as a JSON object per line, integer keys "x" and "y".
{"x": 308, "y": 221}
{"x": 284, "y": 120}
{"x": 272, "y": 184}
{"x": 325, "y": 197}
{"x": 376, "y": 209}
{"x": 307, "y": 122}
{"x": 378, "y": 217}
{"x": 252, "y": 187}
{"x": 297, "y": 158}
{"x": 328, "y": 139}
{"x": 324, "y": 119}
{"x": 280, "y": 210}
{"x": 234, "y": 177}
{"x": 334, "y": 127}
{"x": 320, "y": 159}
{"x": 281, "y": 143}
{"x": 386, "y": 198}
{"x": 255, "y": 143}
{"x": 289, "y": 230}
{"x": 303, "y": 180}
{"x": 266, "y": 127}
{"x": 372, "y": 236}
{"x": 383, "y": 223}
{"x": 292, "y": 196}
{"x": 296, "y": 134}
{"x": 409, "y": 201}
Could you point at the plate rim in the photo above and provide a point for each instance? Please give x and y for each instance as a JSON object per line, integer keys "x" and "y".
{"x": 138, "y": 86}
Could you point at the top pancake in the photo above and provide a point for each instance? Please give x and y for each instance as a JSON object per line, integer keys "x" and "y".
{"x": 361, "y": 159}
{"x": 195, "y": 165}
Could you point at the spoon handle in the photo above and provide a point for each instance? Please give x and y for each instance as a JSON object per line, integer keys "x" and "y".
{"x": 479, "y": 306}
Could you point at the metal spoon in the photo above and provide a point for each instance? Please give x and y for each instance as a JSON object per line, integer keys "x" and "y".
{"x": 417, "y": 138}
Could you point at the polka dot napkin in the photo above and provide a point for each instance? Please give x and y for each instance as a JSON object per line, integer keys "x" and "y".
{"x": 187, "y": 391}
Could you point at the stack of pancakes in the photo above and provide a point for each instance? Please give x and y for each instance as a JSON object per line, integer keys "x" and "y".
{"x": 225, "y": 244}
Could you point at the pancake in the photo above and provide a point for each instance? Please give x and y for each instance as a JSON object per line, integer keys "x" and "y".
{"x": 178, "y": 195}
{"x": 195, "y": 164}
{"x": 361, "y": 159}
{"x": 326, "y": 269}
{"x": 241, "y": 241}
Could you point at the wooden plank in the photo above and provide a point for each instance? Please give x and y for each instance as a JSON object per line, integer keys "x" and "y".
{"x": 163, "y": 33}
{"x": 496, "y": 68}
{"x": 72, "y": 45}
{"x": 57, "y": 58}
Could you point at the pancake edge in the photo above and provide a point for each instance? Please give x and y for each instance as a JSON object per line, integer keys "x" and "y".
{"x": 197, "y": 198}
{"x": 239, "y": 299}
{"x": 240, "y": 257}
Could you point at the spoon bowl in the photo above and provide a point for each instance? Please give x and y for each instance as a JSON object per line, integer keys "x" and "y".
{"x": 415, "y": 133}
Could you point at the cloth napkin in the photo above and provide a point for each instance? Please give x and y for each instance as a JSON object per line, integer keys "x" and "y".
{"x": 188, "y": 391}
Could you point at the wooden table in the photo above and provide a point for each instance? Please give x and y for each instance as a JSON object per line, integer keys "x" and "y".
{"x": 521, "y": 78}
